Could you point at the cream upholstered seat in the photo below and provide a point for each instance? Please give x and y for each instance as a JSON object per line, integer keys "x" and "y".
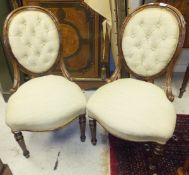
{"x": 133, "y": 110}
{"x": 150, "y": 41}
{"x": 33, "y": 43}
{"x": 45, "y": 103}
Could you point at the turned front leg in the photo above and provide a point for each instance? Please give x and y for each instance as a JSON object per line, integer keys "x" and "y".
{"x": 82, "y": 123}
{"x": 92, "y": 124}
{"x": 20, "y": 139}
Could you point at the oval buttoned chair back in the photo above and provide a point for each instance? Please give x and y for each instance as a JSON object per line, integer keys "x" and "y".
{"x": 151, "y": 39}
{"x": 32, "y": 39}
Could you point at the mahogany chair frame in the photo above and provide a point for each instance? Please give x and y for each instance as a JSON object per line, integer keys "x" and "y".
{"x": 17, "y": 67}
{"x": 168, "y": 70}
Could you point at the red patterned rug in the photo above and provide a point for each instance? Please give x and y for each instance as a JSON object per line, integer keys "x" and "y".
{"x": 131, "y": 158}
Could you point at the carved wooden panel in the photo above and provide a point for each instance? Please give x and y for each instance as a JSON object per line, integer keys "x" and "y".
{"x": 183, "y": 7}
{"x": 82, "y": 38}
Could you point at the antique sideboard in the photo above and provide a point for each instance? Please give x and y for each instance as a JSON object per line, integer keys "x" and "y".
{"x": 85, "y": 50}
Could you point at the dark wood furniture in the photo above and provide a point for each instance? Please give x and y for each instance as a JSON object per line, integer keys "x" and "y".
{"x": 82, "y": 40}
{"x": 183, "y": 7}
{"x": 4, "y": 169}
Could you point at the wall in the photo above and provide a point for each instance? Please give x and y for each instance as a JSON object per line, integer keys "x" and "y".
{"x": 5, "y": 78}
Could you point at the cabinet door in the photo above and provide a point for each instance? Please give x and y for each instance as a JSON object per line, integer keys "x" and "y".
{"x": 183, "y": 7}
{"x": 82, "y": 37}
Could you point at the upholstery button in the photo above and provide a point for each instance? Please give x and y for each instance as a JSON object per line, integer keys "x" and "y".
{"x": 141, "y": 23}
{"x": 43, "y": 40}
{"x": 46, "y": 28}
{"x": 133, "y": 34}
{"x": 32, "y": 63}
{"x": 131, "y": 54}
{"x": 18, "y": 33}
{"x": 33, "y": 31}
{"x": 158, "y": 24}
{"x": 147, "y": 36}
{"x": 138, "y": 45}
{"x": 28, "y": 44}
{"x": 163, "y": 37}
{"x": 37, "y": 53}
{"x": 50, "y": 50}
{"x": 25, "y": 56}
{"x": 23, "y": 22}
{"x": 153, "y": 48}
{"x": 46, "y": 60}
{"x": 38, "y": 19}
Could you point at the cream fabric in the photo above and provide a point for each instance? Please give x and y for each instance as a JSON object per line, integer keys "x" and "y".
{"x": 133, "y": 110}
{"x": 45, "y": 103}
{"x": 149, "y": 41}
{"x": 34, "y": 40}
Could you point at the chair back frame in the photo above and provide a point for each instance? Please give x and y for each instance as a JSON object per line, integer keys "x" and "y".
{"x": 17, "y": 67}
{"x": 168, "y": 70}
{"x": 181, "y": 23}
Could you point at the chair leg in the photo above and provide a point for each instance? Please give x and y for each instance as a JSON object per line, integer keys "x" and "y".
{"x": 156, "y": 157}
{"x": 20, "y": 139}
{"x": 82, "y": 123}
{"x": 92, "y": 124}
{"x": 184, "y": 83}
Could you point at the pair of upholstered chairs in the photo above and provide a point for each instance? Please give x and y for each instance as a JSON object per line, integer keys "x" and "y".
{"x": 149, "y": 44}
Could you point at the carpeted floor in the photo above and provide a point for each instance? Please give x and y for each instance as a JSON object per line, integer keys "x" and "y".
{"x": 131, "y": 158}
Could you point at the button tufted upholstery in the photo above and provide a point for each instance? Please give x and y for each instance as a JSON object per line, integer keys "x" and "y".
{"x": 149, "y": 40}
{"x": 34, "y": 40}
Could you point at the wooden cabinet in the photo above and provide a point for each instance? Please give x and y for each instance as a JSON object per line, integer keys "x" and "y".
{"x": 83, "y": 42}
{"x": 183, "y": 7}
